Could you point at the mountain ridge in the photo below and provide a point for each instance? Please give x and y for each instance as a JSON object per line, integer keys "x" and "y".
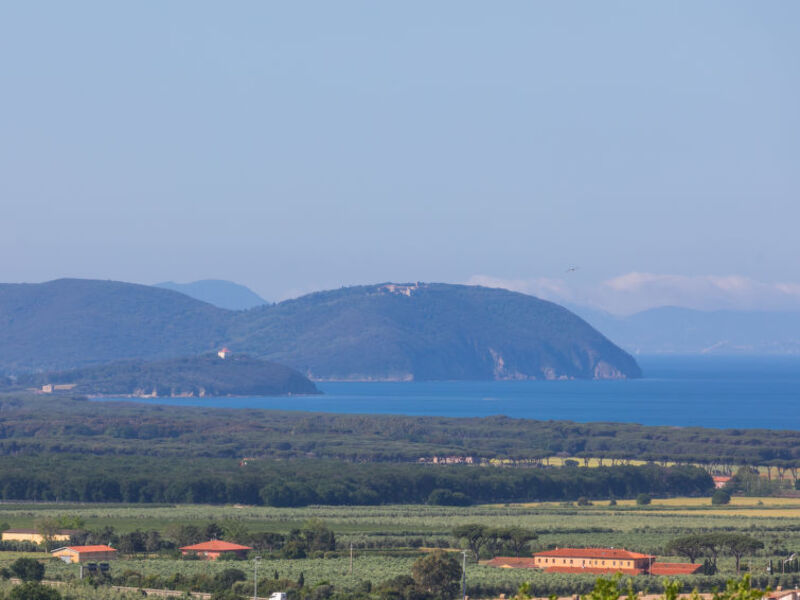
{"x": 382, "y": 332}
{"x": 528, "y": 347}
{"x": 218, "y": 292}
{"x": 679, "y": 330}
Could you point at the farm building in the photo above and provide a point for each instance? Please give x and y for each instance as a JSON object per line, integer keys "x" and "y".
{"x": 34, "y": 536}
{"x": 720, "y": 481}
{"x": 601, "y": 560}
{"x": 213, "y": 549}
{"x": 597, "y": 561}
{"x": 80, "y": 554}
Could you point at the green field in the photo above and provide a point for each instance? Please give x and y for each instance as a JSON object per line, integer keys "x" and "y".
{"x": 383, "y": 536}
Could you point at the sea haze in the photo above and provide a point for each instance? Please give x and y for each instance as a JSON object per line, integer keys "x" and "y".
{"x": 722, "y": 392}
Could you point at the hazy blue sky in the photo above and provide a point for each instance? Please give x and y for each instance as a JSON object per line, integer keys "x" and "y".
{"x": 305, "y": 145}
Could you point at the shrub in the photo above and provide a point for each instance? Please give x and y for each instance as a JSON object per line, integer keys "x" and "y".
{"x": 442, "y": 497}
{"x": 643, "y": 499}
{"x": 226, "y": 595}
{"x": 721, "y": 497}
{"x": 228, "y": 577}
{"x": 28, "y": 569}
{"x": 33, "y": 590}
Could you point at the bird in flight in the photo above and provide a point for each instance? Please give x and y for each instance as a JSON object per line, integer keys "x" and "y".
{"x": 572, "y": 269}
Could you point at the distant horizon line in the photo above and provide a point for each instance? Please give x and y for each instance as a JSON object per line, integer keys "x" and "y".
{"x": 475, "y": 281}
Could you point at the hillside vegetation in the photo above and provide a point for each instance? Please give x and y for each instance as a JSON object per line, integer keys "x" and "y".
{"x": 430, "y": 331}
{"x": 206, "y": 375}
{"x": 75, "y": 322}
{"x": 420, "y": 332}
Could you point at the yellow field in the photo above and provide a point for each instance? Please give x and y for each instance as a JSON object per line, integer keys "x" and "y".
{"x": 770, "y": 507}
{"x": 557, "y": 461}
{"x": 752, "y": 512}
{"x": 735, "y": 501}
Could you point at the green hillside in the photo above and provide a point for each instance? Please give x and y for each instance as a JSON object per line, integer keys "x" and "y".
{"x": 70, "y": 323}
{"x": 437, "y": 331}
{"x": 207, "y": 375}
{"x": 420, "y": 332}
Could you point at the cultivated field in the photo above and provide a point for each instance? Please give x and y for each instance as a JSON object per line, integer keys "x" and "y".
{"x": 387, "y": 539}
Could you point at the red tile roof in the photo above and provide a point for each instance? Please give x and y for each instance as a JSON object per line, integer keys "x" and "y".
{"x": 661, "y": 568}
{"x": 594, "y": 570}
{"x": 513, "y": 562}
{"x": 612, "y": 553}
{"x": 782, "y": 594}
{"x": 216, "y": 546}
{"x": 95, "y": 548}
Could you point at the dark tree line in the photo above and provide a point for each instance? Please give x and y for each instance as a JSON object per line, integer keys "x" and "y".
{"x": 137, "y": 479}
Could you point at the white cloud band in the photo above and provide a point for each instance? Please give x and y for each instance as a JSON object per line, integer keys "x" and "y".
{"x": 634, "y": 292}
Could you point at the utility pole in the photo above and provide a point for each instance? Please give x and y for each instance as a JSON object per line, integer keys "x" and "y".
{"x": 255, "y": 577}
{"x": 464, "y": 575}
{"x": 351, "y": 558}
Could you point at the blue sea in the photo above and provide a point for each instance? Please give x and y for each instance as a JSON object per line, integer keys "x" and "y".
{"x": 740, "y": 392}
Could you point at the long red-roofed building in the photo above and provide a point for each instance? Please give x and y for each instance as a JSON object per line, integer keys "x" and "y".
{"x": 606, "y": 559}
{"x": 214, "y": 549}
{"x": 595, "y": 561}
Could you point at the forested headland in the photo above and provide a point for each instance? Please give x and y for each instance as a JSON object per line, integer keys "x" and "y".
{"x": 205, "y": 375}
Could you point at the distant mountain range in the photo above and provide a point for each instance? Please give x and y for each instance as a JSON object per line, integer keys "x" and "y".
{"x": 221, "y": 293}
{"x": 671, "y": 330}
{"x": 207, "y": 375}
{"x": 378, "y": 332}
